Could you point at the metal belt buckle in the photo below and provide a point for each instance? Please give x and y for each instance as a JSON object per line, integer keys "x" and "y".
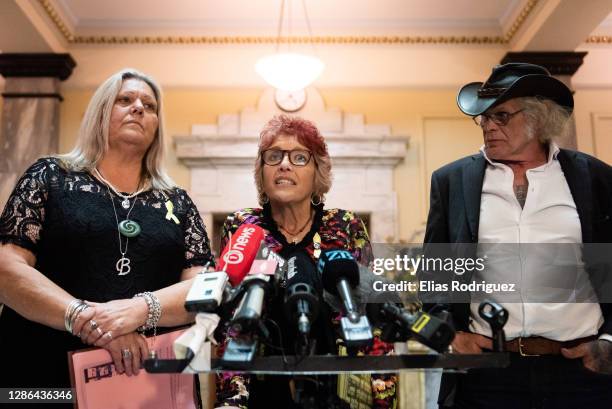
{"x": 523, "y": 353}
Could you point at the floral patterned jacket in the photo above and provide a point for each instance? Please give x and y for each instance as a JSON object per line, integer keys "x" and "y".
{"x": 331, "y": 229}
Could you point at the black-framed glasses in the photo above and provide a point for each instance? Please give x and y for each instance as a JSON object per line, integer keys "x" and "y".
{"x": 297, "y": 157}
{"x": 499, "y": 118}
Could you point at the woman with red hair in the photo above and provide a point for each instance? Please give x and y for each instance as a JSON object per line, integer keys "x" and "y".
{"x": 292, "y": 176}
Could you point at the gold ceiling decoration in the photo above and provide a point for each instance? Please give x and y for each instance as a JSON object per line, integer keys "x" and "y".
{"x": 389, "y": 40}
{"x": 599, "y": 39}
{"x": 71, "y": 38}
{"x": 516, "y": 25}
{"x": 57, "y": 20}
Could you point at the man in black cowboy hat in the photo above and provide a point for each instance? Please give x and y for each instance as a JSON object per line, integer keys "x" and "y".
{"x": 522, "y": 188}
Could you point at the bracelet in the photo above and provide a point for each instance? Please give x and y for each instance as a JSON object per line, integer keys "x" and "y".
{"x": 69, "y": 311}
{"x": 75, "y": 315}
{"x": 154, "y": 313}
{"x": 73, "y": 310}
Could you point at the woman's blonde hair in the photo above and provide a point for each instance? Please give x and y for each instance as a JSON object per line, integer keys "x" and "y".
{"x": 92, "y": 139}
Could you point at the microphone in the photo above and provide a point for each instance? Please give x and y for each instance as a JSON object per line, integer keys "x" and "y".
{"x": 207, "y": 292}
{"x": 210, "y": 289}
{"x": 428, "y": 329}
{"x": 340, "y": 272}
{"x": 254, "y": 286}
{"x": 246, "y": 321}
{"x": 238, "y": 255}
{"x": 301, "y": 298}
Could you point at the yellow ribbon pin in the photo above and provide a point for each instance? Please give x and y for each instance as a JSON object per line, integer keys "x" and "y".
{"x": 170, "y": 215}
{"x": 316, "y": 241}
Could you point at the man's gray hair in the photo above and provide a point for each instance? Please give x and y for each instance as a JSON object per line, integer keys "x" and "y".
{"x": 92, "y": 140}
{"x": 546, "y": 119}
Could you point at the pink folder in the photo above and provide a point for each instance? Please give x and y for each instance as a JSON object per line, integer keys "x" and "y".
{"x": 99, "y": 386}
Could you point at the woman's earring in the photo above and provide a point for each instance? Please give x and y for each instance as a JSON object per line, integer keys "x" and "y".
{"x": 318, "y": 201}
{"x": 265, "y": 199}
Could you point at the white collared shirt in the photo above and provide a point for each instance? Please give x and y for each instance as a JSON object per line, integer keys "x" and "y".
{"x": 548, "y": 216}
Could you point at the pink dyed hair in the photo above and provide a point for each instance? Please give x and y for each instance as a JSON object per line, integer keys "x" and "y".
{"x": 308, "y": 135}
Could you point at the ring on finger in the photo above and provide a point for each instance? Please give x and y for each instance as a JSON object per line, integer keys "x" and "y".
{"x": 93, "y": 324}
{"x": 99, "y": 331}
{"x": 126, "y": 353}
{"x": 108, "y": 335}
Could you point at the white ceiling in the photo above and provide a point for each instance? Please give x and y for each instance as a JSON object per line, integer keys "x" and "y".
{"x": 257, "y": 17}
{"x": 327, "y": 17}
{"x": 559, "y": 25}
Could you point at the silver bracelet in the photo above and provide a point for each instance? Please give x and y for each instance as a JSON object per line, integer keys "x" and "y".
{"x": 154, "y": 313}
{"x": 73, "y": 310}
{"x": 76, "y": 314}
{"x": 69, "y": 311}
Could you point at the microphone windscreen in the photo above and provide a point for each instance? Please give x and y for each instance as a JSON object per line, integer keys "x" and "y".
{"x": 266, "y": 262}
{"x": 335, "y": 265}
{"x": 240, "y": 251}
{"x": 301, "y": 269}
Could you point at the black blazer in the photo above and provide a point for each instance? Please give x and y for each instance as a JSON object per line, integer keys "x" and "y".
{"x": 455, "y": 209}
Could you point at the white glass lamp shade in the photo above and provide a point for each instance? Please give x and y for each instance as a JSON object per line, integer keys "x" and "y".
{"x": 289, "y": 71}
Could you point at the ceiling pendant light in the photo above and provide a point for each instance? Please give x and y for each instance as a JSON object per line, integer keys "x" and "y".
{"x": 289, "y": 71}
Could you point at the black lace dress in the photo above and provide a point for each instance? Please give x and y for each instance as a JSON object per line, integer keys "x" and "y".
{"x": 66, "y": 219}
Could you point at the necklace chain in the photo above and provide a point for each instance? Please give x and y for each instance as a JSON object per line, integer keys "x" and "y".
{"x": 123, "y": 263}
{"x": 127, "y": 217}
{"x": 296, "y": 234}
{"x": 118, "y": 193}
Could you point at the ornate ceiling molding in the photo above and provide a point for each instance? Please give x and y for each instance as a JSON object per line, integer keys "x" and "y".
{"x": 217, "y": 40}
{"x": 599, "y": 40}
{"x": 72, "y": 38}
{"x": 57, "y": 20}
{"x": 520, "y": 19}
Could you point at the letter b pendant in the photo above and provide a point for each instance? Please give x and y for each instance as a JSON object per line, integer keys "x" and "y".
{"x": 123, "y": 266}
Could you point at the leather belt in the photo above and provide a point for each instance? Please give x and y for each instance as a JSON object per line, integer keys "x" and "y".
{"x": 535, "y": 346}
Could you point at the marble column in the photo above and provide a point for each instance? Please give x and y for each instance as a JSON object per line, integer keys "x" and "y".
{"x": 29, "y": 127}
{"x": 562, "y": 65}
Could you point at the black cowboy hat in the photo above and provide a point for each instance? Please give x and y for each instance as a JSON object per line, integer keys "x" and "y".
{"x": 509, "y": 81}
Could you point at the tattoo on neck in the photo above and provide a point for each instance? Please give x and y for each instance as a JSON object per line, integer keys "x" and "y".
{"x": 520, "y": 191}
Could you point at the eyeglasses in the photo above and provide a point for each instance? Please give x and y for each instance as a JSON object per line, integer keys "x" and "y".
{"x": 297, "y": 157}
{"x": 499, "y": 118}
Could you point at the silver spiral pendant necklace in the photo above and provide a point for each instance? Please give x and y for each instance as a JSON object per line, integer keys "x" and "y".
{"x": 123, "y": 264}
{"x": 128, "y": 228}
